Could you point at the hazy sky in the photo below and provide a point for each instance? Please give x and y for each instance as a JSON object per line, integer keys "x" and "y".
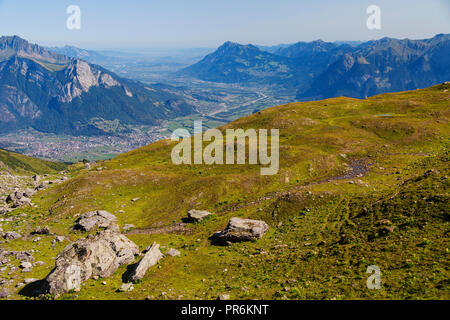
{"x": 208, "y": 23}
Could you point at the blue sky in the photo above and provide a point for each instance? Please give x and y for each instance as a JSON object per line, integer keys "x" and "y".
{"x": 208, "y": 23}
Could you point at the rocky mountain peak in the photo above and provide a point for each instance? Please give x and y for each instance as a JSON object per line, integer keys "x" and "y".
{"x": 82, "y": 76}
{"x": 16, "y": 46}
{"x": 236, "y": 48}
{"x": 52, "y": 92}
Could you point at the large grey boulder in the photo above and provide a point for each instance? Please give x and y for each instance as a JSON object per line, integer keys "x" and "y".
{"x": 197, "y": 215}
{"x": 150, "y": 259}
{"x": 11, "y": 235}
{"x": 239, "y": 230}
{"x": 95, "y": 219}
{"x": 19, "y": 198}
{"x": 98, "y": 256}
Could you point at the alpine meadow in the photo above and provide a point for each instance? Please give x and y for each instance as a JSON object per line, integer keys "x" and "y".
{"x": 222, "y": 160}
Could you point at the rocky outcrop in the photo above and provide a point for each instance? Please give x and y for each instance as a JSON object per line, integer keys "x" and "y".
{"x": 19, "y": 198}
{"x": 98, "y": 256}
{"x": 150, "y": 259}
{"x": 95, "y": 219}
{"x": 197, "y": 215}
{"x": 239, "y": 230}
{"x": 82, "y": 77}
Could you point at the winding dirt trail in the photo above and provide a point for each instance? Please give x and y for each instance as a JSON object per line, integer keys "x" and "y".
{"x": 358, "y": 168}
{"x": 179, "y": 228}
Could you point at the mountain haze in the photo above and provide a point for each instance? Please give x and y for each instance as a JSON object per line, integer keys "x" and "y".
{"x": 90, "y": 56}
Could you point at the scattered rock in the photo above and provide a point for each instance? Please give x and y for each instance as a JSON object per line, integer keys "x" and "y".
{"x": 126, "y": 287}
{"x": 19, "y": 198}
{"x": 22, "y": 202}
{"x": 197, "y": 215}
{"x": 128, "y": 227}
{"x": 93, "y": 256}
{"x": 224, "y": 297}
{"x": 173, "y": 253}
{"x": 4, "y": 210}
{"x": 386, "y": 230}
{"x": 24, "y": 256}
{"x": 29, "y": 280}
{"x": 11, "y": 235}
{"x": 26, "y": 265}
{"x": 14, "y": 197}
{"x": 41, "y": 230}
{"x": 384, "y": 222}
{"x": 239, "y": 230}
{"x": 150, "y": 259}
{"x": 42, "y": 185}
{"x": 94, "y": 219}
{"x": 59, "y": 239}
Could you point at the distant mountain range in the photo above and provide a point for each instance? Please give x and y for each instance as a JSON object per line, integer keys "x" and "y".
{"x": 150, "y": 56}
{"x": 235, "y": 63}
{"x": 64, "y": 90}
{"x": 55, "y": 93}
{"x": 386, "y": 65}
{"x": 90, "y": 56}
{"x": 317, "y": 70}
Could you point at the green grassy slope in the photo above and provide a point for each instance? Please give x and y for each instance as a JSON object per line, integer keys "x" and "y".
{"x": 326, "y": 225}
{"x": 20, "y": 164}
